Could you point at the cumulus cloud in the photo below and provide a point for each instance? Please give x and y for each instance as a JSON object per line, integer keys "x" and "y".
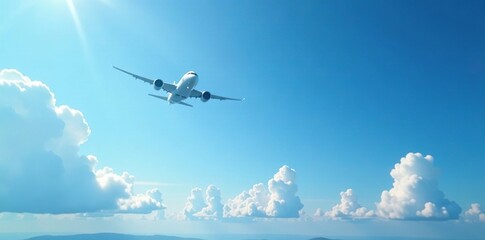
{"x": 198, "y": 208}
{"x": 142, "y": 203}
{"x": 214, "y": 208}
{"x": 283, "y": 201}
{"x": 319, "y": 213}
{"x": 41, "y": 170}
{"x": 474, "y": 214}
{"x": 195, "y": 203}
{"x": 348, "y": 208}
{"x": 415, "y": 193}
{"x": 278, "y": 200}
{"x": 250, "y": 203}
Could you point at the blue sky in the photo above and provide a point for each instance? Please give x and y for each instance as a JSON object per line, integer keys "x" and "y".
{"x": 338, "y": 91}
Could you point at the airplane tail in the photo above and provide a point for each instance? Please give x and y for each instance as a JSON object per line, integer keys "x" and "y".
{"x": 166, "y": 99}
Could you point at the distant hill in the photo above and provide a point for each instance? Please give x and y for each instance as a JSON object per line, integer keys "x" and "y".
{"x": 109, "y": 236}
{"x": 117, "y": 236}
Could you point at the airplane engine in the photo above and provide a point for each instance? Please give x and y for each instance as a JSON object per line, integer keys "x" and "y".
{"x": 206, "y": 95}
{"x": 158, "y": 84}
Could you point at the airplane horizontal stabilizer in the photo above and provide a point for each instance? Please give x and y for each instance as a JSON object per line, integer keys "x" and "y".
{"x": 161, "y": 97}
{"x": 186, "y": 104}
{"x": 166, "y": 99}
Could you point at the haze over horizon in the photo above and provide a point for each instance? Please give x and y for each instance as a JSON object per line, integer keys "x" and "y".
{"x": 360, "y": 118}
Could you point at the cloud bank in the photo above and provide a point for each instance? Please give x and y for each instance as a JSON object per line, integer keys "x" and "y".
{"x": 279, "y": 200}
{"x": 415, "y": 193}
{"x": 41, "y": 170}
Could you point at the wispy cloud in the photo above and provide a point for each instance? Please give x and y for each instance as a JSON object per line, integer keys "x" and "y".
{"x": 156, "y": 184}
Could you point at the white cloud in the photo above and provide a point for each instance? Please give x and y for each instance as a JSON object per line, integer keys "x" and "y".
{"x": 142, "y": 203}
{"x": 283, "y": 200}
{"x": 214, "y": 208}
{"x": 41, "y": 170}
{"x": 474, "y": 214}
{"x": 415, "y": 193}
{"x": 319, "y": 213}
{"x": 195, "y": 203}
{"x": 278, "y": 200}
{"x": 196, "y": 208}
{"x": 250, "y": 203}
{"x": 348, "y": 208}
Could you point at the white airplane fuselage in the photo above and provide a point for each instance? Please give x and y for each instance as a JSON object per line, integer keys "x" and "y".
{"x": 184, "y": 87}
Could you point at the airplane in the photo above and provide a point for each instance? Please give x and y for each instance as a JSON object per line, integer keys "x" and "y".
{"x": 178, "y": 92}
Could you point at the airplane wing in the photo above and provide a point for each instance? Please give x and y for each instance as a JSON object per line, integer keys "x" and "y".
{"x": 166, "y": 86}
{"x": 198, "y": 94}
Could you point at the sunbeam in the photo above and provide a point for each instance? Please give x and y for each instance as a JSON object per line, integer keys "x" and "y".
{"x": 77, "y": 22}
{"x": 88, "y": 58}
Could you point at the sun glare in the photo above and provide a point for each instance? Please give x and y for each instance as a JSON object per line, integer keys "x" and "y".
{"x": 80, "y": 32}
{"x": 77, "y": 22}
